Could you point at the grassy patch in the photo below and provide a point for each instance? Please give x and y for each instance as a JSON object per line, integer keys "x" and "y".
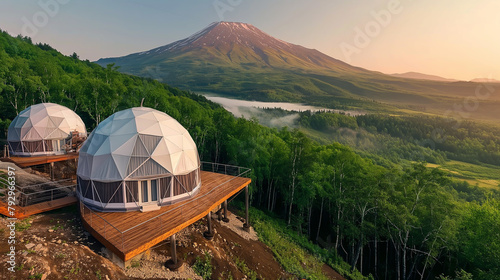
{"x": 18, "y": 268}
{"x": 23, "y": 224}
{"x": 58, "y": 226}
{"x": 223, "y": 276}
{"x": 60, "y": 256}
{"x": 75, "y": 270}
{"x": 203, "y": 266}
{"x": 481, "y": 175}
{"x": 473, "y": 171}
{"x": 242, "y": 266}
{"x": 295, "y": 253}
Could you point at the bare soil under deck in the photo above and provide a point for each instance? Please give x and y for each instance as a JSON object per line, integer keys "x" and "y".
{"x": 59, "y": 247}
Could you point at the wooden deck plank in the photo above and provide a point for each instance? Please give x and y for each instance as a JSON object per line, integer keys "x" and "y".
{"x": 214, "y": 190}
{"x": 23, "y": 212}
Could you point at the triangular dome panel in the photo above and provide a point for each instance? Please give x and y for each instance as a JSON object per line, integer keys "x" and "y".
{"x": 150, "y": 142}
{"x": 121, "y": 163}
{"x": 139, "y": 149}
{"x": 126, "y": 148}
{"x": 148, "y": 168}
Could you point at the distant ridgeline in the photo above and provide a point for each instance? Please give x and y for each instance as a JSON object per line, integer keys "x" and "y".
{"x": 417, "y": 215}
{"x": 239, "y": 60}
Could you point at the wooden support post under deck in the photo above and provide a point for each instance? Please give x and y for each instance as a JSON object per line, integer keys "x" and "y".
{"x": 225, "y": 219}
{"x": 209, "y": 234}
{"x": 174, "y": 249}
{"x": 173, "y": 264}
{"x": 219, "y": 214}
{"x": 246, "y": 225}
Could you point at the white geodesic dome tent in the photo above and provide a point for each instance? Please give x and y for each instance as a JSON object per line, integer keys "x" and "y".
{"x": 44, "y": 129}
{"x": 137, "y": 157}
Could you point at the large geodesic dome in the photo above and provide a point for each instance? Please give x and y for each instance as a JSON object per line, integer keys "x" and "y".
{"x": 44, "y": 129}
{"x": 137, "y": 157}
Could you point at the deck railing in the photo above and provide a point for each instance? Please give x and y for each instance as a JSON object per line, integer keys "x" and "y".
{"x": 4, "y": 189}
{"x": 158, "y": 222}
{"x": 27, "y": 199}
{"x": 97, "y": 222}
{"x": 29, "y": 195}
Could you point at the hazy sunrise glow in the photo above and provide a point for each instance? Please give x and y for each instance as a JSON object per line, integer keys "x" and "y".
{"x": 450, "y": 38}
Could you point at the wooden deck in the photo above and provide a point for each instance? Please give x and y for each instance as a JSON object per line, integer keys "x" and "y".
{"x": 37, "y": 160}
{"x": 23, "y": 212}
{"x": 131, "y": 233}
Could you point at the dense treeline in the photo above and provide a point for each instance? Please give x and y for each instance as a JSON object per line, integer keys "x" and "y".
{"x": 393, "y": 221}
{"x": 435, "y": 138}
{"x": 461, "y": 140}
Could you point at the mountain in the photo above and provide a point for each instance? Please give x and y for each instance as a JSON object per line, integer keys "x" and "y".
{"x": 421, "y": 76}
{"x": 238, "y": 60}
{"x": 235, "y": 43}
{"x": 484, "y": 80}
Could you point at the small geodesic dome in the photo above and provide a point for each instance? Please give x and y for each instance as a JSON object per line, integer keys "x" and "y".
{"x": 44, "y": 129}
{"x": 137, "y": 157}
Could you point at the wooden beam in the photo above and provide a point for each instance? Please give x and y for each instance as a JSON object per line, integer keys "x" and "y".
{"x": 38, "y": 160}
{"x": 23, "y": 212}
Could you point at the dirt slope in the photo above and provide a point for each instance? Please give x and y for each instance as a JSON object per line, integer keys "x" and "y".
{"x": 54, "y": 245}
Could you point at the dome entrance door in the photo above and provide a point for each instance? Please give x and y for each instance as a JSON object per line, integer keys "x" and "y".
{"x": 149, "y": 192}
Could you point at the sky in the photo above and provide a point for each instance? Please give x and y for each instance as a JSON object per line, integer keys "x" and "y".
{"x": 449, "y": 38}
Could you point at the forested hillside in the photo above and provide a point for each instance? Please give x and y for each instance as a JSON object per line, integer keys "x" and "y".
{"x": 394, "y": 221}
{"x": 445, "y": 137}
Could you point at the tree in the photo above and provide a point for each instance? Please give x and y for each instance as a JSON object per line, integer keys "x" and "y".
{"x": 479, "y": 239}
{"x": 416, "y": 213}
